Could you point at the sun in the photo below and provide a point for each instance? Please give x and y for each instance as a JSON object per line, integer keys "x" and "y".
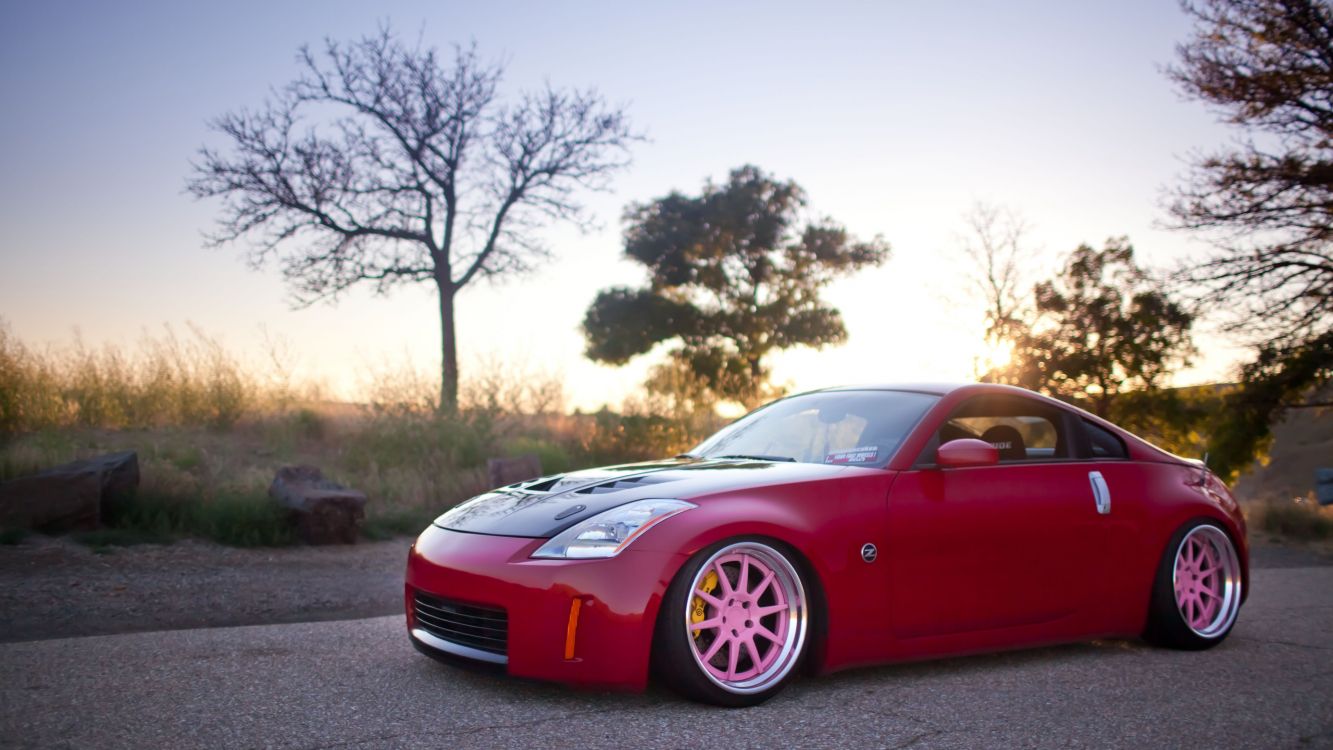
{"x": 994, "y": 355}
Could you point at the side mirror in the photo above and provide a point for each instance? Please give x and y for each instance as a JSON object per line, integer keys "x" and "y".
{"x": 957, "y": 454}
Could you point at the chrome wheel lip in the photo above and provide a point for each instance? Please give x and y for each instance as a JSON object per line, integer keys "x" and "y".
{"x": 1229, "y": 562}
{"x": 798, "y": 619}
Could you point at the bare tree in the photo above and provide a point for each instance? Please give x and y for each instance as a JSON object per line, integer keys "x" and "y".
{"x": 997, "y": 248}
{"x": 1266, "y": 66}
{"x": 383, "y": 164}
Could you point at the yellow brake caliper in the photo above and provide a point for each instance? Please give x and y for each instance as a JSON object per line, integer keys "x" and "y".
{"x": 697, "y": 609}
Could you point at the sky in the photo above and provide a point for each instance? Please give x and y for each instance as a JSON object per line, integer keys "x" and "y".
{"x": 894, "y": 117}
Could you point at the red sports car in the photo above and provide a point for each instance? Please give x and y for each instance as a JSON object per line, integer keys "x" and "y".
{"x": 836, "y": 528}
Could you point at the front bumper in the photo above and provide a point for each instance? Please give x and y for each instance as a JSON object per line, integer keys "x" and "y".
{"x": 612, "y": 624}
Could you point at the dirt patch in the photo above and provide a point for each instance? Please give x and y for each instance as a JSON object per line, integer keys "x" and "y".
{"x": 1302, "y": 442}
{"x": 54, "y": 588}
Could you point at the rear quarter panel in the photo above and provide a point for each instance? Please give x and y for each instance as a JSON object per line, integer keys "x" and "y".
{"x": 1151, "y": 500}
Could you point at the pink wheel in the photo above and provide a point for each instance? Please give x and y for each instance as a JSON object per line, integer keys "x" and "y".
{"x": 732, "y": 626}
{"x": 746, "y": 617}
{"x": 1206, "y": 581}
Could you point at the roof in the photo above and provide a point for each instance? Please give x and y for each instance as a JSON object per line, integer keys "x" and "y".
{"x": 938, "y": 389}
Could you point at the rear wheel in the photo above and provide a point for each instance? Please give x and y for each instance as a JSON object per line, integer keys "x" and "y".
{"x": 734, "y": 623}
{"x": 1197, "y": 594}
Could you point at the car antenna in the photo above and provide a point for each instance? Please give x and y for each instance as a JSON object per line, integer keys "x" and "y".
{"x": 1203, "y": 470}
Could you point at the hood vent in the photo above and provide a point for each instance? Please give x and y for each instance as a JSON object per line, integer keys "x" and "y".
{"x": 564, "y": 482}
{"x": 541, "y": 485}
{"x": 616, "y": 485}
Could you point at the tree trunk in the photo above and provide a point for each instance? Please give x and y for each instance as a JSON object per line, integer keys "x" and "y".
{"x": 448, "y": 346}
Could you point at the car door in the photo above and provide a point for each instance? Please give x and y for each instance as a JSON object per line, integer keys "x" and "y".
{"x": 1016, "y": 544}
{"x": 1127, "y": 485}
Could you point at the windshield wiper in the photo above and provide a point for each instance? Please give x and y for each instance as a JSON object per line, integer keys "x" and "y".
{"x": 687, "y": 455}
{"x": 757, "y": 457}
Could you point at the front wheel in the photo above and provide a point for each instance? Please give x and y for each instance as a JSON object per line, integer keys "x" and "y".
{"x": 733, "y": 625}
{"x": 1197, "y": 594}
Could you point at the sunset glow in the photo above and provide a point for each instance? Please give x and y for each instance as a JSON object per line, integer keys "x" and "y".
{"x": 1061, "y": 116}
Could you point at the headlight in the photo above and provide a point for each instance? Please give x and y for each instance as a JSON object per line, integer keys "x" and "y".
{"x": 609, "y": 532}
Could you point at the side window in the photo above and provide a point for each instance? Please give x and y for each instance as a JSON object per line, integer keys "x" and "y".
{"x": 1104, "y": 443}
{"x": 1019, "y": 428}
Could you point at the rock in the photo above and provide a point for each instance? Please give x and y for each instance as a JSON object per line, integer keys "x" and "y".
{"x": 320, "y": 510}
{"x": 57, "y": 500}
{"x": 506, "y": 471}
{"x": 120, "y": 477}
{"x": 72, "y": 496}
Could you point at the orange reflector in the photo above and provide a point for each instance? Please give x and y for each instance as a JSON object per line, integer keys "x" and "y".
{"x": 573, "y": 627}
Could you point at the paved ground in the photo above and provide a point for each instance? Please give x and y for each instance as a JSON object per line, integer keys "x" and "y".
{"x": 54, "y": 588}
{"x": 357, "y": 683}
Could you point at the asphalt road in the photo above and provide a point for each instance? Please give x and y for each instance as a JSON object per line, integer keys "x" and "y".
{"x": 358, "y": 683}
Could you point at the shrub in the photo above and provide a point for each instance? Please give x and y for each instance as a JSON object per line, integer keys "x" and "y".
{"x": 234, "y": 518}
{"x": 310, "y": 424}
{"x": 400, "y": 522}
{"x": 1299, "y": 519}
{"x": 101, "y": 540}
{"x": 554, "y": 458}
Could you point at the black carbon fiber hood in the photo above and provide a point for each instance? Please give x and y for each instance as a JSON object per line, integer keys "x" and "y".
{"x": 546, "y": 506}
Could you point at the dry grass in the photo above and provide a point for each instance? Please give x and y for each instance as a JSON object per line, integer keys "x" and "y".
{"x": 164, "y": 380}
{"x": 210, "y": 432}
{"x": 1299, "y": 519}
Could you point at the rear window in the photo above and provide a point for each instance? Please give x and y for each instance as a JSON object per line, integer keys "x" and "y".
{"x": 1104, "y": 443}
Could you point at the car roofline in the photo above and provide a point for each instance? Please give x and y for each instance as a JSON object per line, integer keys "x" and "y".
{"x": 1147, "y": 451}
{"x": 933, "y": 389}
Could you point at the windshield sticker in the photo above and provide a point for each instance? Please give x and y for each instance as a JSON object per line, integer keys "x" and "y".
{"x": 860, "y": 455}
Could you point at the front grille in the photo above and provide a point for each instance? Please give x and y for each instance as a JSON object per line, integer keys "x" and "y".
{"x": 484, "y": 628}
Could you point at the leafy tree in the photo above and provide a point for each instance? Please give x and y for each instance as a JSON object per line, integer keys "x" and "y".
{"x": 733, "y": 274}
{"x": 1266, "y": 66}
{"x": 382, "y": 164}
{"x": 1276, "y": 376}
{"x": 1100, "y": 328}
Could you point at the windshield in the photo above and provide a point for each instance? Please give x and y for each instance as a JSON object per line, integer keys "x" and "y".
{"x": 861, "y": 428}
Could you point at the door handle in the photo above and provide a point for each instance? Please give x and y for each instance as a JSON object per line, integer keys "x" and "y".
{"x": 1101, "y": 494}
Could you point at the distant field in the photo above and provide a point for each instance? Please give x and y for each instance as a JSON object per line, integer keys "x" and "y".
{"x": 212, "y": 482}
{"x": 210, "y": 431}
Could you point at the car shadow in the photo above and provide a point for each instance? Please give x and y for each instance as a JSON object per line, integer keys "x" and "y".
{"x": 806, "y": 690}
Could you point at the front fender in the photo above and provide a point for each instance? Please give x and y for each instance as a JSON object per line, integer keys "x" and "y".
{"x": 826, "y": 524}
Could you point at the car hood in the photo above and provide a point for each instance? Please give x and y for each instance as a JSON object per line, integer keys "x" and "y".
{"x": 544, "y": 507}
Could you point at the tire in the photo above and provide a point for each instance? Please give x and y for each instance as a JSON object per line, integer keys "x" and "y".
{"x": 737, "y": 639}
{"x": 1197, "y": 592}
